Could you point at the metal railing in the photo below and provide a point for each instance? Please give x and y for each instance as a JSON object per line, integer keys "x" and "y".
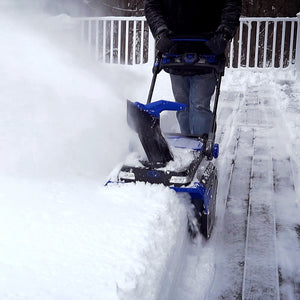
{"x": 264, "y": 43}
{"x": 259, "y": 43}
{"x": 120, "y": 40}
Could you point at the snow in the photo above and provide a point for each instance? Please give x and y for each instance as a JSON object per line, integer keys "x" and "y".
{"x": 63, "y": 234}
{"x": 182, "y": 159}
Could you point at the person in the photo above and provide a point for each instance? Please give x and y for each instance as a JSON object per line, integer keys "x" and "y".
{"x": 214, "y": 21}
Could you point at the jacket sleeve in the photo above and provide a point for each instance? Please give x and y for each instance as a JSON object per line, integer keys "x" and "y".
{"x": 155, "y": 16}
{"x": 230, "y": 16}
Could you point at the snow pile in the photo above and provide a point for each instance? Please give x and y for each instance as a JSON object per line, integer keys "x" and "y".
{"x": 72, "y": 240}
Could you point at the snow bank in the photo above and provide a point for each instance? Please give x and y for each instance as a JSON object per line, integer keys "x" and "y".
{"x": 72, "y": 240}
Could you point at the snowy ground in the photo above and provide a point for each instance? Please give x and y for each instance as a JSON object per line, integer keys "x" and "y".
{"x": 63, "y": 235}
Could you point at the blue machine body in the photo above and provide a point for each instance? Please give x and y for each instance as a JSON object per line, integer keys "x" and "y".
{"x": 195, "y": 182}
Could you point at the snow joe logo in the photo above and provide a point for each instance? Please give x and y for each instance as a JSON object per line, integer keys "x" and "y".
{"x": 153, "y": 174}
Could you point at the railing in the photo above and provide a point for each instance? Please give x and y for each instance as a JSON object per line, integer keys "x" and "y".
{"x": 121, "y": 40}
{"x": 259, "y": 43}
{"x": 264, "y": 43}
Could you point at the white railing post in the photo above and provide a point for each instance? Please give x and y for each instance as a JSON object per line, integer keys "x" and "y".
{"x": 97, "y": 41}
{"x": 151, "y": 49}
{"x": 111, "y": 47}
{"x": 126, "y": 41}
{"x": 119, "y": 41}
{"x": 89, "y": 35}
{"x": 282, "y": 44}
{"x": 274, "y": 44}
{"x": 104, "y": 42}
{"x": 257, "y": 44}
{"x": 248, "y": 43}
{"x": 266, "y": 43}
{"x": 82, "y": 22}
{"x": 240, "y": 44}
{"x": 134, "y": 43}
{"x": 297, "y": 63}
{"x": 142, "y": 36}
{"x": 291, "y": 43}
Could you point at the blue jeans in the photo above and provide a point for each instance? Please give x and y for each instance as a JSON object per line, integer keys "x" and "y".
{"x": 196, "y": 92}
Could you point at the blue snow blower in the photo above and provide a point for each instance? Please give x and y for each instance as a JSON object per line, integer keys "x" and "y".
{"x": 198, "y": 177}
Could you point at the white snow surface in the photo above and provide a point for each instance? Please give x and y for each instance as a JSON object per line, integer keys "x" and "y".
{"x": 63, "y": 234}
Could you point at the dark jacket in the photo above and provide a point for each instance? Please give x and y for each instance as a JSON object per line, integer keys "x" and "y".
{"x": 193, "y": 18}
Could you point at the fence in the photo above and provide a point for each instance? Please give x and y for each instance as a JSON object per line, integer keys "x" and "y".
{"x": 264, "y": 43}
{"x": 121, "y": 40}
{"x": 259, "y": 42}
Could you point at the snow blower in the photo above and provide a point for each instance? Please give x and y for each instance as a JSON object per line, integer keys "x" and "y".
{"x": 198, "y": 174}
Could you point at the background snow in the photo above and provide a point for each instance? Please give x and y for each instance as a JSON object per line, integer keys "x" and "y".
{"x": 56, "y": 116}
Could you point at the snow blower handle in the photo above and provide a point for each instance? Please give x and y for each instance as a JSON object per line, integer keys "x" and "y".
{"x": 195, "y": 61}
{"x": 200, "y": 57}
{"x": 211, "y": 149}
{"x": 155, "y": 70}
{"x": 187, "y": 60}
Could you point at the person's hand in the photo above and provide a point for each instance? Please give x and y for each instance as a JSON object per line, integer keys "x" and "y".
{"x": 162, "y": 42}
{"x": 217, "y": 44}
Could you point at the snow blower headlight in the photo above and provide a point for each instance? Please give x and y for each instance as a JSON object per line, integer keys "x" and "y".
{"x": 179, "y": 180}
{"x": 126, "y": 175}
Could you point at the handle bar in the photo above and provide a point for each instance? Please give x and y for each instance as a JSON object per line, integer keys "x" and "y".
{"x": 164, "y": 61}
{"x": 191, "y": 60}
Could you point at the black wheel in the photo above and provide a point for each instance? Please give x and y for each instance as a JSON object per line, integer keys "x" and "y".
{"x": 205, "y": 216}
{"x": 198, "y": 212}
{"x": 208, "y": 219}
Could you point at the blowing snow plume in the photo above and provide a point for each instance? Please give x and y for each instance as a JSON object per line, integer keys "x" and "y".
{"x": 73, "y": 8}
{"x": 62, "y": 129}
{"x": 61, "y": 113}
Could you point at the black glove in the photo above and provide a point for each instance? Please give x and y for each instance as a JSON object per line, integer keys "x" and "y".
{"x": 162, "y": 42}
{"x": 217, "y": 44}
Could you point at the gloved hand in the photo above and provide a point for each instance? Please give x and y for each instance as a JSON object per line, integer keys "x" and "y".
{"x": 217, "y": 44}
{"x": 162, "y": 42}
